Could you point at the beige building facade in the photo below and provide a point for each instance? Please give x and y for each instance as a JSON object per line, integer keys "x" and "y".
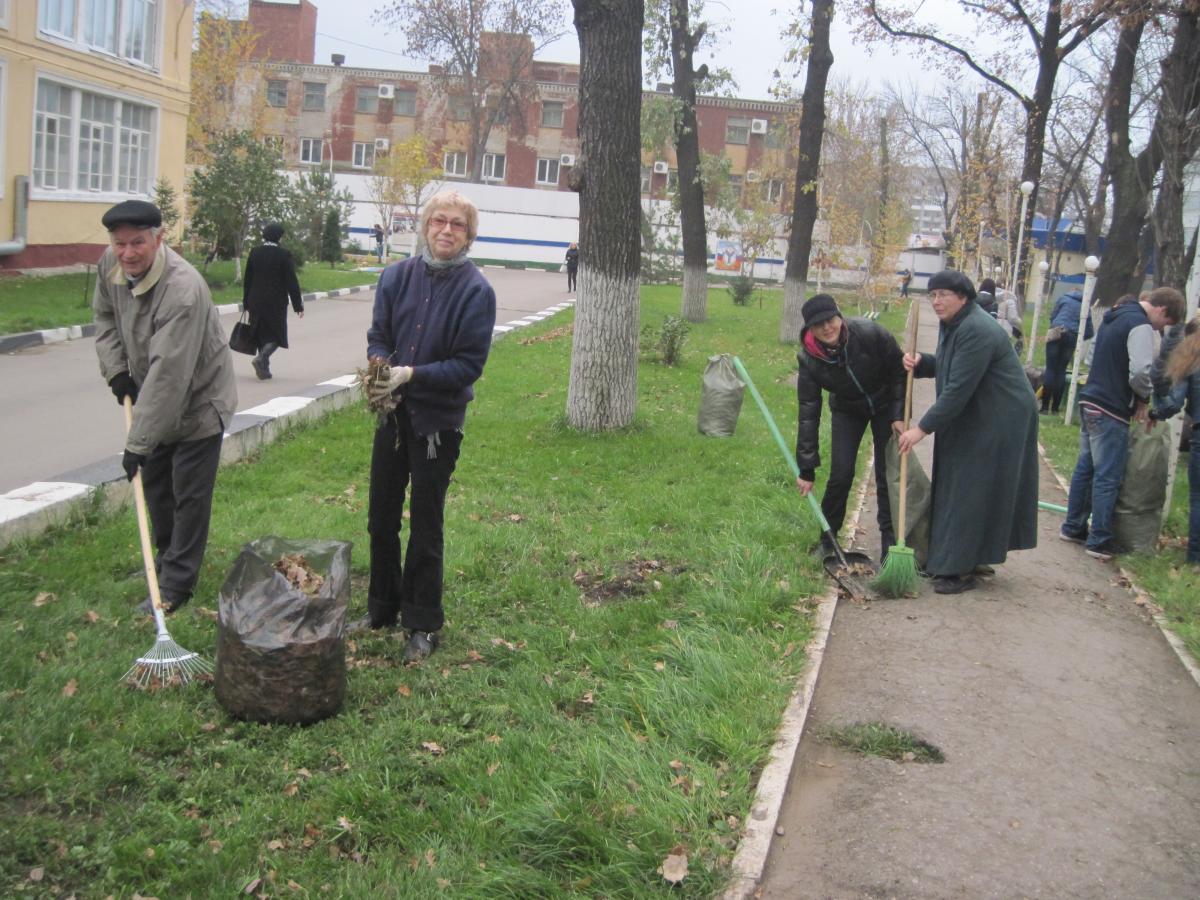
{"x": 93, "y": 110}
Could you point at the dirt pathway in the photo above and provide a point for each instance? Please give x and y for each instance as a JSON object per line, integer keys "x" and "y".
{"x": 1071, "y": 735}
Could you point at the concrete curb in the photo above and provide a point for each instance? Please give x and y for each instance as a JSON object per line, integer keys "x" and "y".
{"x": 28, "y": 511}
{"x": 1172, "y": 639}
{"x": 750, "y": 860}
{"x": 10, "y": 343}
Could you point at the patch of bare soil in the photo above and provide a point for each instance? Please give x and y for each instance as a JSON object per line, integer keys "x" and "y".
{"x": 635, "y": 578}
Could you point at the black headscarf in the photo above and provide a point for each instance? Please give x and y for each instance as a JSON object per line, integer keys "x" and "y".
{"x": 950, "y": 280}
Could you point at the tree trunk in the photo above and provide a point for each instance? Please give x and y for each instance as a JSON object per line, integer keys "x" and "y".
{"x": 1181, "y": 141}
{"x": 1132, "y": 177}
{"x": 808, "y": 164}
{"x": 687, "y": 152}
{"x": 602, "y": 393}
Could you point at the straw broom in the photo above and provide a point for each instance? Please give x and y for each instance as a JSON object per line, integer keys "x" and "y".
{"x": 899, "y": 573}
{"x": 165, "y": 664}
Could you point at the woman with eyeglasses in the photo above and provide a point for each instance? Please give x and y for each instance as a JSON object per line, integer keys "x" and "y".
{"x": 985, "y": 462}
{"x": 432, "y": 323}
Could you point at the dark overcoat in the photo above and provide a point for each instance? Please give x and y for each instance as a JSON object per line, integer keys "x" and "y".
{"x": 269, "y": 283}
{"x": 985, "y": 461}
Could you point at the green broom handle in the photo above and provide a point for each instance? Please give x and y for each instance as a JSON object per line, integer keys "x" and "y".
{"x": 1053, "y": 507}
{"x": 783, "y": 447}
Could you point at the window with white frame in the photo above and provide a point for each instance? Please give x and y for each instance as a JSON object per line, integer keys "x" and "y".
{"x": 123, "y": 28}
{"x": 405, "y": 103}
{"x": 672, "y": 180}
{"x": 735, "y": 185}
{"x": 646, "y": 175}
{"x": 773, "y": 190}
{"x": 277, "y": 91}
{"x": 366, "y": 99}
{"x": 454, "y": 163}
{"x": 85, "y": 141}
{"x": 311, "y": 150}
{"x": 552, "y": 113}
{"x": 737, "y": 130}
{"x": 3, "y": 16}
{"x": 547, "y": 171}
{"x": 364, "y": 155}
{"x": 314, "y": 96}
{"x": 458, "y": 108}
{"x": 493, "y": 167}
{"x": 775, "y": 137}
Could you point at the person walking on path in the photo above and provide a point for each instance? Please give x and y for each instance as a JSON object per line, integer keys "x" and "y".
{"x": 860, "y": 364}
{"x": 905, "y": 281}
{"x": 269, "y": 283}
{"x": 1060, "y": 347}
{"x": 159, "y": 342}
{"x": 572, "y": 266}
{"x": 1117, "y": 392}
{"x": 377, "y": 235}
{"x": 985, "y": 467}
{"x": 432, "y": 323}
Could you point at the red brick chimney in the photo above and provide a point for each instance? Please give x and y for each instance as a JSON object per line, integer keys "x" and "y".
{"x": 287, "y": 31}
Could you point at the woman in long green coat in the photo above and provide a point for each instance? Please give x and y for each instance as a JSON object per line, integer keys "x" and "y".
{"x": 985, "y": 462}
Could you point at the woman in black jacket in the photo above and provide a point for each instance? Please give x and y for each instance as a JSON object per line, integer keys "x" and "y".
{"x": 861, "y": 366}
{"x": 269, "y": 283}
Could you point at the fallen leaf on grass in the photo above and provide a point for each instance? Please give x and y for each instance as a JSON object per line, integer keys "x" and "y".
{"x": 404, "y": 690}
{"x": 294, "y": 886}
{"x": 37, "y": 874}
{"x": 430, "y": 859}
{"x": 675, "y": 765}
{"x": 345, "y": 824}
{"x": 92, "y": 617}
{"x": 443, "y": 883}
{"x": 252, "y": 886}
{"x": 491, "y": 770}
{"x": 70, "y": 688}
{"x": 209, "y": 726}
{"x": 276, "y": 844}
{"x": 433, "y": 747}
{"x": 675, "y": 867}
{"x": 501, "y": 642}
{"x": 291, "y": 789}
{"x": 43, "y": 598}
{"x": 215, "y": 846}
{"x": 493, "y": 739}
{"x": 660, "y": 666}
{"x": 475, "y": 656}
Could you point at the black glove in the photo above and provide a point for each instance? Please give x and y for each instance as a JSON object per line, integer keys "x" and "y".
{"x": 123, "y": 386}
{"x": 131, "y": 462}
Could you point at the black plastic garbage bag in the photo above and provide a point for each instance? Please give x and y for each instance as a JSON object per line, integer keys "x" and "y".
{"x": 281, "y": 653}
{"x": 720, "y": 397}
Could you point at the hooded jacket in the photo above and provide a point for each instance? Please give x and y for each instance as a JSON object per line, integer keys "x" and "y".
{"x": 1066, "y": 315}
{"x": 1121, "y": 361}
{"x": 864, "y": 375}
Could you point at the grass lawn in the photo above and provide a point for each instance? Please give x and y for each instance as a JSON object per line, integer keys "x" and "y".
{"x": 627, "y": 614}
{"x": 30, "y": 303}
{"x": 1174, "y": 585}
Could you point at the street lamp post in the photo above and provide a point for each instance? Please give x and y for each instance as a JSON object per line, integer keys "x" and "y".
{"x": 1043, "y": 268}
{"x": 1085, "y": 310}
{"x": 1015, "y": 272}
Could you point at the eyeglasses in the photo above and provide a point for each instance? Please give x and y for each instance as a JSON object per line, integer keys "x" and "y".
{"x": 438, "y": 223}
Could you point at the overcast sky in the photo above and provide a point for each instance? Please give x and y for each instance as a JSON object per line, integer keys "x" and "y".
{"x": 752, "y": 49}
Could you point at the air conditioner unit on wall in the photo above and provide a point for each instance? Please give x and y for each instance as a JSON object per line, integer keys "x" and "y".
{"x": 382, "y": 145}
{"x": 752, "y": 175}
{"x": 567, "y": 159}
{"x": 758, "y": 126}
{"x": 661, "y": 168}
{"x": 387, "y": 92}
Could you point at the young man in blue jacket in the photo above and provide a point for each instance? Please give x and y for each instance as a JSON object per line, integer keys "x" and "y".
{"x": 1117, "y": 392}
{"x": 433, "y": 320}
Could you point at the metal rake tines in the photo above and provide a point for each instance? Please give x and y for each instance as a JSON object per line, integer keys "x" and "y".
{"x": 166, "y": 665}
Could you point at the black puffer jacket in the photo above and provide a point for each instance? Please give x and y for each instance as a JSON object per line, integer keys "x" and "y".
{"x": 864, "y": 375}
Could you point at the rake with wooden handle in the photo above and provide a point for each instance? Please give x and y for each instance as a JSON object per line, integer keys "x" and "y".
{"x": 165, "y": 664}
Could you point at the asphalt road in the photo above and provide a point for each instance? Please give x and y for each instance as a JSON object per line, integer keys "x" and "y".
{"x": 58, "y": 415}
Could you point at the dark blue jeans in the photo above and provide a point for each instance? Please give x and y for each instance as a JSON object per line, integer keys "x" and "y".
{"x": 1193, "y": 546}
{"x": 1054, "y": 377}
{"x": 1103, "y": 449}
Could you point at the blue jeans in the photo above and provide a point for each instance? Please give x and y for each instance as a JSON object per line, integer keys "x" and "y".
{"x": 1193, "y": 545}
{"x": 1103, "y": 449}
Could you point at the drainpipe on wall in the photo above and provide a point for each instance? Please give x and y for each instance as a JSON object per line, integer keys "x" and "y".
{"x": 20, "y": 218}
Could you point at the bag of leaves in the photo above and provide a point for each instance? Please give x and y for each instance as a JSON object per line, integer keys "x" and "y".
{"x": 918, "y": 513}
{"x": 720, "y": 397}
{"x": 281, "y": 655}
{"x": 1137, "y": 516}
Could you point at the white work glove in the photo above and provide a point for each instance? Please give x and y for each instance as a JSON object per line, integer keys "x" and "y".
{"x": 397, "y": 376}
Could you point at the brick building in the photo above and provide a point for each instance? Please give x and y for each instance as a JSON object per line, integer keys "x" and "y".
{"x": 338, "y": 116}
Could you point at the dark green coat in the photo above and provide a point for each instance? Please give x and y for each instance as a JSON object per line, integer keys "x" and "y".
{"x": 985, "y": 460}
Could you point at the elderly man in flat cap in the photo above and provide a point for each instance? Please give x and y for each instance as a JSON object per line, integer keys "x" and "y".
{"x": 160, "y": 343}
{"x": 985, "y": 463}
